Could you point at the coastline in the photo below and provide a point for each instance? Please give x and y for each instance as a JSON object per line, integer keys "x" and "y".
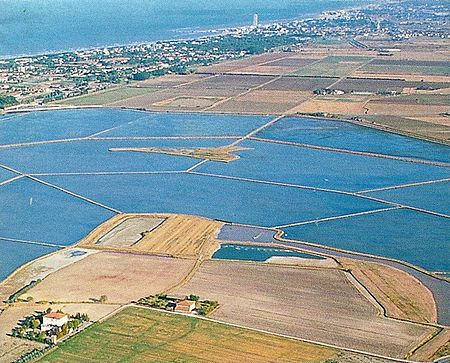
{"x": 194, "y": 32}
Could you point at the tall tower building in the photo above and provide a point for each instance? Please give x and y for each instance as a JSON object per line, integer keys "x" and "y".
{"x": 255, "y": 20}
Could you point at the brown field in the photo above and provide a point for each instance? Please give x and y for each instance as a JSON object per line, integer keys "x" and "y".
{"x": 350, "y": 105}
{"x": 440, "y": 120}
{"x": 406, "y": 77}
{"x": 233, "y": 82}
{"x": 179, "y": 236}
{"x": 232, "y": 66}
{"x": 325, "y": 307}
{"x": 266, "y": 69}
{"x": 262, "y": 101}
{"x": 412, "y": 125}
{"x": 172, "y": 80}
{"x": 438, "y": 347}
{"x": 306, "y": 84}
{"x": 380, "y": 107}
{"x": 122, "y": 277}
{"x": 38, "y": 269}
{"x": 402, "y": 295}
{"x": 293, "y": 62}
{"x": 144, "y": 101}
{"x": 187, "y": 102}
{"x": 245, "y": 107}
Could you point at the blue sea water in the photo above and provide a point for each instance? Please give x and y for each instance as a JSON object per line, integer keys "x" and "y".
{"x": 33, "y": 211}
{"x": 31, "y": 27}
{"x": 256, "y": 253}
{"x": 230, "y": 200}
{"x": 419, "y": 238}
{"x": 52, "y": 125}
{"x": 345, "y": 135}
{"x": 95, "y": 156}
{"x": 6, "y": 174}
{"x": 14, "y": 254}
{"x": 189, "y": 124}
{"x": 433, "y": 197}
{"x": 319, "y": 168}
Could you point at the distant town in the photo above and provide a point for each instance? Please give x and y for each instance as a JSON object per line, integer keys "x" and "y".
{"x": 40, "y": 79}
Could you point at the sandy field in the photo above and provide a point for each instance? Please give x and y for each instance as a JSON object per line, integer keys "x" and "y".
{"x": 407, "y": 110}
{"x": 178, "y": 236}
{"x": 187, "y": 102}
{"x": 355, "y": 106}
{"x": 402, "y": 295}
{"x": 129, "y": 232}
{"x": 438, "y": 347}
{"x": 322, "y": 305}
{"x": 183, "y": 236}
{"x": 40, "y": 268}
{"x": 263, "y": 102}
{"x": 122, "y": 277}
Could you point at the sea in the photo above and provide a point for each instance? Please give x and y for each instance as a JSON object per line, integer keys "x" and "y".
{"x": 30, "y": 27}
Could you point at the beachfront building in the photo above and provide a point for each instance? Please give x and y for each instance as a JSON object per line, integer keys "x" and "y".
{"x": 185, "y": 306}
{"x": 52, "y": 320}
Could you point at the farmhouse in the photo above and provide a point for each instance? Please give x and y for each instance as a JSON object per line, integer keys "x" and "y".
{"x": 52, "y": 320}
{"x": 185, "y": 306}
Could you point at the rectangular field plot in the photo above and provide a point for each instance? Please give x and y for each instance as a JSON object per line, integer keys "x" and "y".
{"x": 321, "y": 168}
{"x": 15, "y": 254}
{"x": 96, "y": 156}
{"x": 333, "y": 66}
{"x": 300, "y": 84}
{"x": 224, "y": 199}
{"x": 434, "y": 197}
{"x": 381, "y": 85}
{"x": 292, "y": 62}
{"x": 322, "y": 305}
{"x": 141, "y": 335}
{"x": 346, "y": 135}
{"x": 33, "y": 211}
{"x": 125, "y": 277}
{"x": 415, "y": 237}
{"x": 411, "y": 67}
{"x": 105, "y": 97}
{"x": 232, "y": 81}
{"x": 262, "y": 102}
{"x": 62, "y": 124}
{"x": 189, "y": 124}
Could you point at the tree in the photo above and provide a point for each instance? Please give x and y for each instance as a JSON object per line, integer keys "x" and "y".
{"x": 35, "y": 323}
{"x": 193, "y": 297}
{"x": 103, "y": 299}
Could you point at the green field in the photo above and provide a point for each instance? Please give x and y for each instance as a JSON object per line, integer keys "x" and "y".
{"x": 333, "y": 66}
{"x": 105, "y": 97}
{"x": 142, "y": 335}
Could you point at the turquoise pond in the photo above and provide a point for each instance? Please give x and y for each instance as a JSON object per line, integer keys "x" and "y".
{"x": 332, "y": 198}
{"x": 257, "y": 253}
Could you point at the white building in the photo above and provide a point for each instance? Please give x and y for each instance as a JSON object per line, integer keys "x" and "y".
{"x": 51, "y": 320}
{"x": 255, "y": 20}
